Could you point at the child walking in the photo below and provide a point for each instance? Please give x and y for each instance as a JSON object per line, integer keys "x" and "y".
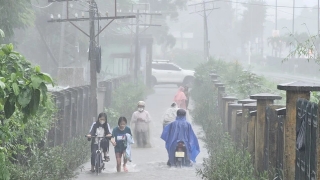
{"x": 119, "y": 141}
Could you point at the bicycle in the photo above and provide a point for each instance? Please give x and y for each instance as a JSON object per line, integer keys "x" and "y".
{"x": 99, "y": 164}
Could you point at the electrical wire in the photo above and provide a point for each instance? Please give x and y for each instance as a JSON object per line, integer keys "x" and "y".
{"x": 267, "y": 5}
{"x": 43, "y": 6}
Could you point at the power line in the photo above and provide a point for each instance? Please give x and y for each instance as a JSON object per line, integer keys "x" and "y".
{"x": 267, "y": 5}
{"x": 43, "y": 6}
{"x": 94, "y": 48}
{"x": 205, "y": 23}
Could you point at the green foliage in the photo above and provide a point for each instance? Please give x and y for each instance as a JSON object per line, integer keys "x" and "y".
{"x": 306, "y": 47}
{"x": 113, "y": 116}
{"x": 226, "y": 160}
{"x": 187, "y": 59}
{"x": 27, "y": 155}
{"x": 21, "y": 85}
{"x": 315, "y": 97}
{"x": 124, "y": 101}
{"x": 53, "y": 163}
{"x": 4, "y": 173}
{"x": 15, "y": 14}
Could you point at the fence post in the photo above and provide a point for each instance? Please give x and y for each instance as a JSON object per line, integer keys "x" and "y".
{"x": 74, "y": 112}
{"x": 101, "y": 98}
{"x": 294, "y": 91}
{"x": 244, "y": 123}
{"x": 252, "y": 135}
{"x": 246, "y": 120}
{"x": 263, "y": 100}
{"x": 225, "y": 101}
{"x": 238, "y": 128}
{"x": 271, "y": 137}
{"x": 221, "y": 92}
{"x": 232, "y": 117}
{"x": 281, "y": 116}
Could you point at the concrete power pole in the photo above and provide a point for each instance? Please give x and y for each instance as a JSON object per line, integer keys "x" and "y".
{"x": 93, "y": 64}
{"x": 206, "y": 38}
{"x": 137, "y": 49}
{"x": 318, "y": 18}
{"x": 93, "y": 45}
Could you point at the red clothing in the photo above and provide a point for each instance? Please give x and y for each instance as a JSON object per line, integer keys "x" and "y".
{"x": 180, "y": 98}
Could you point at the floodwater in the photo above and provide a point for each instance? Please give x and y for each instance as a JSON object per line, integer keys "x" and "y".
{"x": 150, "y": 163}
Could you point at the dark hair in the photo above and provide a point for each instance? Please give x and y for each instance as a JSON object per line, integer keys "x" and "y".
{"x": 105, "y": 125}
{"x": 103, "y": 115}
{"x": 181, "y": 112}
{"x": 122, "y": 119}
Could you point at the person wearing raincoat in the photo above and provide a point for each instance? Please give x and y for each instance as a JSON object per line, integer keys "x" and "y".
{"x": 180, "y": 130}
{"x": 140, "y": 123}
{"x": 180, "y": 98}
{"x": 170, "y": 114}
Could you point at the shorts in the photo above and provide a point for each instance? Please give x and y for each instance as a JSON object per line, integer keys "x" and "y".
{"x": 119, "y": 154}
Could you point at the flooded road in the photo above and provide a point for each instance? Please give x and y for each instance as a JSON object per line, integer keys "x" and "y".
{"x": 150, "y": 163}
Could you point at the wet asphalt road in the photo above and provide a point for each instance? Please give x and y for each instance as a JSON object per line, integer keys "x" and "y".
{"x": 150, "y": 163}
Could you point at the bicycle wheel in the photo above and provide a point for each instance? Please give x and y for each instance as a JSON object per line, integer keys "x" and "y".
{"x": 97, "y": 163}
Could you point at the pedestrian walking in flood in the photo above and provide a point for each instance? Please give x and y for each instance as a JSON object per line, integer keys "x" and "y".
{"x": 120, "y": 137}
{"x": 180, "y": 98}
{"x": 140, "y": 122}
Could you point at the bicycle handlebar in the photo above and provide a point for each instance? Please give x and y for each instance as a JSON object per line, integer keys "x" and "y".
{"x": 98, "y": 137}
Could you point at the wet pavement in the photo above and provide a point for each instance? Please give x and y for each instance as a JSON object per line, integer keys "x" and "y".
{"x": 150, "y": 163}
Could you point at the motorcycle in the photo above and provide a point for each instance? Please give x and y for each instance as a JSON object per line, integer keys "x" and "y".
{"x": 181, "y": 155}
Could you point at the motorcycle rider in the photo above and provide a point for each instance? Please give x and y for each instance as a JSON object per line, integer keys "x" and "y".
{"x": 140, "y": 122}
{"x": 177, "y": 131}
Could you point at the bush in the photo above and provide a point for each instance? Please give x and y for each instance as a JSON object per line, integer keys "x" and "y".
{"x": 226, "y": 160}
{"x": 52, "y": 163}
{"x": 24, "y": 153}
{"x": 124, "y": 101}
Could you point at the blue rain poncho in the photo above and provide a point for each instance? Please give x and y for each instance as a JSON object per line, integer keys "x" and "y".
{"x": 180, "y": 130}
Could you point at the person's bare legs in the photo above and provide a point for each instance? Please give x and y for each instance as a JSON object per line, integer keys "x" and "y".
{"x": 118, "y": 158}
{"x": 125, "y": 163}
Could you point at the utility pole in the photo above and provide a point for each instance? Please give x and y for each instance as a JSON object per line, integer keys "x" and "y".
{"x": 293, "y": 10}
{"x": 276, "y": 16}
{"x": 206, "y": 41}
{"x": 318, "y": 18}
{"x": 93, "y": 45}
{"x": 137, "y": 49}
{"x": 92, "y": 59}
{"x": 137, "y": 58}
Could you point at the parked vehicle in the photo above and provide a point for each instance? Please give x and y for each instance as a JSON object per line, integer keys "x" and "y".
{"x": 166, "y": 72}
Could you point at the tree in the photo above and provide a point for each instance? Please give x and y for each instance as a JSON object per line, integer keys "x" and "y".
{"x": 252, "y": 21}
{"x": 21, "y": 85}
{"x": 223, "y": 32}
{"x": 15, "y": 14}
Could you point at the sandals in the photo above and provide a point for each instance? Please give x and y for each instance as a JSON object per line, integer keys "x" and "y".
{"x": 107, "y": 158}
